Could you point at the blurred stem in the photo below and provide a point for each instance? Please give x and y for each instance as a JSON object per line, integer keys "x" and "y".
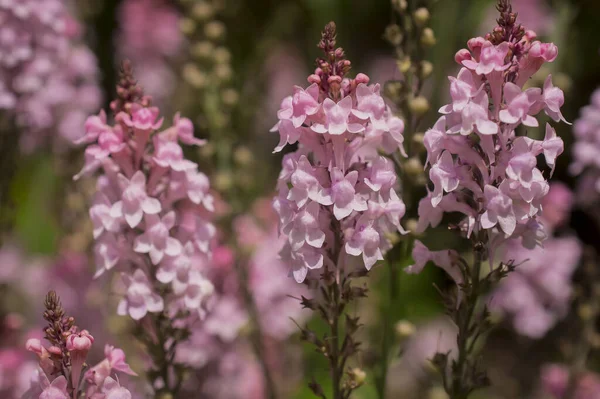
{"x": 220, "y": 134}
{"x": 588, "y": 312}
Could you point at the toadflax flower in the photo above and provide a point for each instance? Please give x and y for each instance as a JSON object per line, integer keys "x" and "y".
{"x": 480, "y": 166}
{"x": 336, "y": 177}
{"x": 151, "y": 217}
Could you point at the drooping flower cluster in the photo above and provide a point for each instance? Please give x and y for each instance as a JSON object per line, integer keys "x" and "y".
{"x": 150, "y": 213}
{"x": 61, "y": 364}
{"x": 586, "y": 149}
{"x": 537, "y": 293}
{"x": 150, "y": 37}
{"x": 48, "y": 81}
{"x": 336, "y": 181}
{"x": 480, "y": 165}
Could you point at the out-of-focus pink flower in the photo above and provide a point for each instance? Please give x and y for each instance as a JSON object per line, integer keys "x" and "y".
{"x": 140, "y": 298}
{"x": 555, "y": 382}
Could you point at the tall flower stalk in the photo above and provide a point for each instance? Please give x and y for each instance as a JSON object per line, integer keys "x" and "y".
{"x": 481, "y": 167}
{"x": 337, "y": 199}
{"x": 151, "y": 221}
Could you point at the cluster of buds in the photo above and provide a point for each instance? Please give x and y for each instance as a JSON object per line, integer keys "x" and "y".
{"x": 62, "y": 363}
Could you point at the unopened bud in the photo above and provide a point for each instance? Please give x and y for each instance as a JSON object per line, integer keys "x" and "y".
{"x": 243, "y": 156}
{"x": 418, "y": 105}
{"x": 202, "y": 11}
{"x": 418, "y": 138}
{"x": 223, "y": 181}
{"x": 428, "y": 37}
{"x": 393, "y": 35}
{"x": 404, "y": 64}
{"x": 194, "y": 76}
{"x": 585, "y": 311}
{"x": 214, "y": 30}
{"x": 421, "y": 16}
{"x": 222, "y": 55}
{"x": 164, "y": 395}
{"x": 392, "y": 88}
{"x": 426, "y": 69}
{"x": 400, "y": 5}
{"x": 358, "y": 376}
{"x": 203, "y": 49}
{"x": 207, "y": 150}
{"x": 411, "y": 225}
{"x": 413, "y": 167}
{"x": 405, "y": 329}
{"x": 223, "y": 72}
{"x": 230, "y": 97}
{"x": 187, "y": 26}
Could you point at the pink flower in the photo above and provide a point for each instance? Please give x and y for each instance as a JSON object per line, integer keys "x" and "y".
{"x": 462, "y": 90}
{"x": 519, "y": 104}
{"x": 114, "y": 360}
{"x": 370, "y": 105}
{"x": 112, "y": 390}
{"x": 55, "y": 390}
{"x": 301, "y": 105}
{"x": 156, "y": 240}
{"x": 492, "y": 58}
{"x": 139, "y": 299}
{"x": 185, "y": 131}
{"x": 135, "y": 201}
{"x": 365, "y": 240}
{"x": 169, "y": 154}
{"x": 446, "y": 260}
{"x": 445, "y": 177}
{"x": 143, "y": 119}
{"x": 553, "y": 99}
{"x": 498, "y": 210}
{"x": 306, "y": 228}
{"x": 344, "y": 195}
{"x": 102, "y": 217}
{"x": 78, "y": 345}
{"x": 336, "y": 118}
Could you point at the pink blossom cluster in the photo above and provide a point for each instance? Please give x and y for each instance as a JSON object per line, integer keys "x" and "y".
{"x": 537, "y": 294}
{"x": 480, "y": 165}
{"x": 336, "y": 177}
{"x": 151, "y": 210}
{"x": 51, "y": 383}
{"x": 586, "y": 149}
{"x": 150, "y": 36}
{"x": 48, "y": 80}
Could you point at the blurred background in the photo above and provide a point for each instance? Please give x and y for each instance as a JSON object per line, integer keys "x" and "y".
{"x": 227, "y": 65}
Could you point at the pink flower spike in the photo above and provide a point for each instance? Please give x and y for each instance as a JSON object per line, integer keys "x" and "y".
{"x": 156, "y": 240}
{"x": 185, "y": 131}
{"x": 135, "y": 201}
{"x": 499, "y": 210}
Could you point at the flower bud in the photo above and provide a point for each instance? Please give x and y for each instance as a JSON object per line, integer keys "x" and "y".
{"x": 243, "y": 156}
{"x": 437, "y": 393}
{"x": 405, "y": 329}
{"x": 404, "y": 64}
{"x": 428, "y": 37}
{"x": 230, "y": 97}
{"x": 392, "y": 88}
{"x": 400, "y": 5}
{"x": 194, "y": 76}
{"x": 222, "y": 55}
{"x": 421, "y": 16}
{"x": 462, "y": 55}
{"x": 418, "y": 105}
{"x": 358, "y": 376}
{"x": 223, "y": 181}
{"x": 187, "y": 26}
{"x": 393, "y": 35}
{"x": 214, "y": 30}
{"x": 202, "y": 11}
{"x": 203, "y": 49}
{"x": 426, "y": 69}
{"x": 411, "y": 225}
{"x": 207, "y": 150}
{"x": 223, "y": 72}
{"x": 418, "y": 138}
